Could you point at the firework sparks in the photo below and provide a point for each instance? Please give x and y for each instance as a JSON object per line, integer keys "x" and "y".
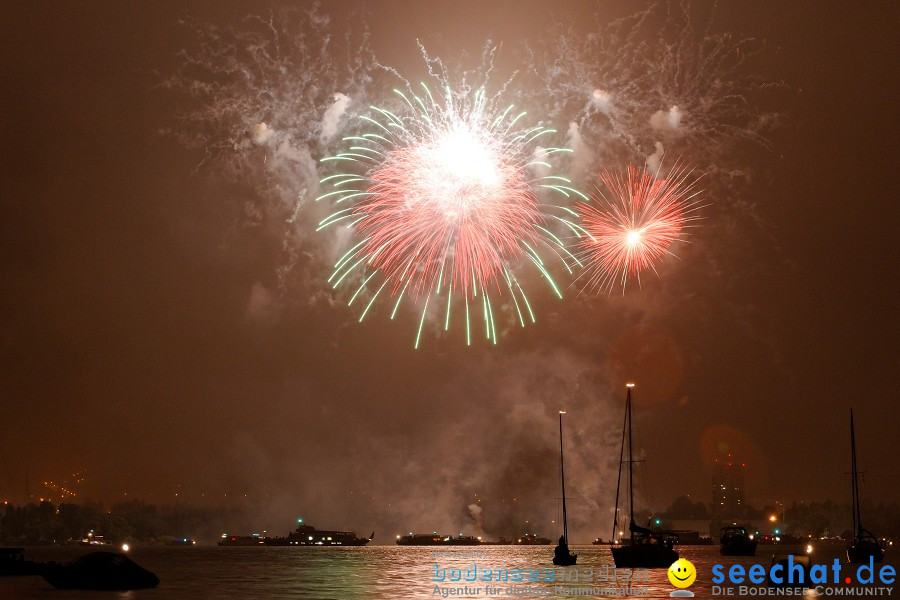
{"x": 449, "y": 196}
{"x": 448, "y": 205}
{"x": 691, "y": 90}
{"x": 635, "y": 226}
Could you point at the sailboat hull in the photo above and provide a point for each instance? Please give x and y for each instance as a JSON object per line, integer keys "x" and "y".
{"x": 861, "y": 552}
{"x": 735, "y": 541}
{"x": 643, "y": 556}
{"x": 565, "y": 561}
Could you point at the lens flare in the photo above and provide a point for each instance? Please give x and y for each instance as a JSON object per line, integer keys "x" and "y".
{"x": 633, "y": 227}
{"x": 450, "y": 201}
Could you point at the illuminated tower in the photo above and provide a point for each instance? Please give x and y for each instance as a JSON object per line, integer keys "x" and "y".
{"x": 728, "y": 487}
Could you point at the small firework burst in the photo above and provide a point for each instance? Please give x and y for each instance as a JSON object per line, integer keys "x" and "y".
{"x": 633, "y": 226}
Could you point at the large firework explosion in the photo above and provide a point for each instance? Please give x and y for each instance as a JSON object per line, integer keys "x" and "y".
{"x": 634, "y": 225}
{"x": 446, "y": 201}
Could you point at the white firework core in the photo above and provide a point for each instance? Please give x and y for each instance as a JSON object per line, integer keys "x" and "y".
{"x": 459, "y": 170}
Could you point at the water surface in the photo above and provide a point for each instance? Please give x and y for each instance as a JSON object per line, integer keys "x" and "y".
{"x": 388, "y": 572}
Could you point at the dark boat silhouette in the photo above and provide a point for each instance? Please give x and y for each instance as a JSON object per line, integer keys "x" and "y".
{"x": 644, "y": 548}
{"x": 735, "y": 541}
{"x": 99, "y": 571}
{"x": 561, "y": 555}
{"x": 531, "y": 539}
{"x": 13, "y": 563}
{"x": 864, "y": 544}
{"x": 434, "y": 539}
{"x": 307, "y": 535}
{"x": 241, "y": 540}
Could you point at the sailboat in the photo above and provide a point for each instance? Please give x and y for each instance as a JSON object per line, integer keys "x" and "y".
{"x": 561, "y": 554}
{"x": 644, "y": 547}
{"x": 865, "y": 545}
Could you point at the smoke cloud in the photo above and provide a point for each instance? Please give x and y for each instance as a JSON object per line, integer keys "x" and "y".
{"x": 667, "y": 120}
{"x": 654, "y": 161}
{"x": 602, "y": 101}
{"x": 333, "y": 115}
{"x": 583, "y": 156}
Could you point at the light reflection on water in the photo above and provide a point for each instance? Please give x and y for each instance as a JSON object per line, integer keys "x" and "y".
{"x": 377, "y": 572}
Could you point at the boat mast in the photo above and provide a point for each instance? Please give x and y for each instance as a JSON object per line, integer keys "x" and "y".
{"x": 630, "y": 466}
{"x": 857, "y": 526}
{"x": 619, "y": 480}
{"x": 562, "y": 475}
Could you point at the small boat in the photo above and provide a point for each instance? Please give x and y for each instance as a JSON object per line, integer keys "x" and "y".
{"x": 644, "y": 548}
{"x": 864, "y": 545}
{"x": 241, "y": 540}
{"x": 531, "y": 539}
{"x": 561, "y": 555}
{"x": 434, "y": 539}
{"x": 183, "y": 542}
{"x": 93, "y": 539}
{"x": 788, "y": 578}
{"x": 735, "y": 541}
{"x": 13, "y": 563}
{"x": 99, "y": 571}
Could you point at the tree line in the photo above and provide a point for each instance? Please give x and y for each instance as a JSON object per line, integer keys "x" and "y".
{"x": 133, "y": 520}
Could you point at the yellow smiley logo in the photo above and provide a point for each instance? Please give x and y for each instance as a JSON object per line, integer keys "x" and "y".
{"x": 682, "y": 573}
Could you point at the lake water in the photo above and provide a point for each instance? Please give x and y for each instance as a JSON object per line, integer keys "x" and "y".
{"x": 387, "y": 572}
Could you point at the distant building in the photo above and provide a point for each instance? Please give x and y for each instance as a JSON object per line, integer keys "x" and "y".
{"x": 728, "y": 488}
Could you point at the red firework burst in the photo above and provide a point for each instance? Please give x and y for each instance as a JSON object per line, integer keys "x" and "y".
{"x": 634, "y": 227}
{"x": 455, "y": 206}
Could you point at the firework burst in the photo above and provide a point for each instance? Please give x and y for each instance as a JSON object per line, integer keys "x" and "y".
{"x": 444, "y": 202}
{"x": 635, "y": 226}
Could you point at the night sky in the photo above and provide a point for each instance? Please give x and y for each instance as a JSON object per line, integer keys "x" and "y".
{"x": 165, "y": 329}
